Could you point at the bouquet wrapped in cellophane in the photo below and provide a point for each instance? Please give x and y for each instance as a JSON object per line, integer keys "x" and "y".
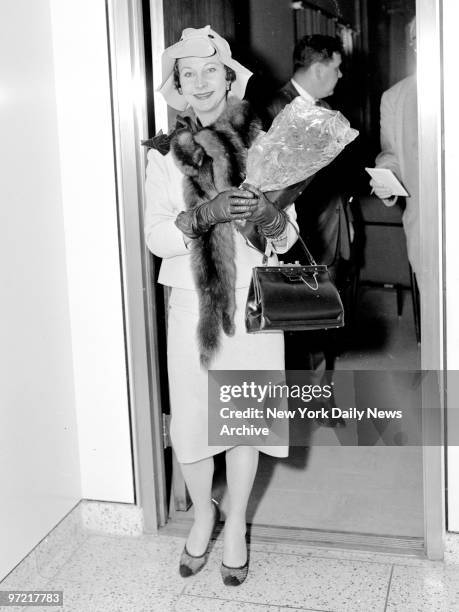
{"x": 302, "y": 139}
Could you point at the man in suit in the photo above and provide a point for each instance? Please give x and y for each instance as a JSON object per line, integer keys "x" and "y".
{"x": 316, "y": 65}
{"x": 399, "y": 153}
{"x": 321, "y": 214}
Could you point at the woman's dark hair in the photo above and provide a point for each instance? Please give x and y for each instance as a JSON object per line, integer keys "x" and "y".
{"x": 230, "y": 75}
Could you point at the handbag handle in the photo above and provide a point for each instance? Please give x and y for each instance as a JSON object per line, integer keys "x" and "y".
{"x": 315, "y": 280}
{"x": 310, "y": 258}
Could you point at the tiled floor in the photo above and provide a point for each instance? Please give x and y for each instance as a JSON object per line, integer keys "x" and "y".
{"x": 140, "y": 574}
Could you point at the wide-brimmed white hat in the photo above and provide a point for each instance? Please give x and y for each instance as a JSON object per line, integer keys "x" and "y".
{"x": 199, "y": 42}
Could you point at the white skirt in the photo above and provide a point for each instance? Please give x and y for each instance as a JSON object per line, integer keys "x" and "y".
{"x": 188, "y": 379}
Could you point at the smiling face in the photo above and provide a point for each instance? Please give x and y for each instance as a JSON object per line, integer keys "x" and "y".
{"x": 328, "y": 75}
{"x": 204, "y": 86}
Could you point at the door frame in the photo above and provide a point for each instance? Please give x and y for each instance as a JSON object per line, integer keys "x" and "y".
{"x": 128, "y": 90}
{"x": 125, "y": 30}
{"x": 430, "y": 98}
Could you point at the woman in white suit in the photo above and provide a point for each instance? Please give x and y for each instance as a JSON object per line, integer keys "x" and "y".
{"x": 192, "y": 220}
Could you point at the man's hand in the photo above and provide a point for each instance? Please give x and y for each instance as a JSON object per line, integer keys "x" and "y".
{"x": 380, "y": 190}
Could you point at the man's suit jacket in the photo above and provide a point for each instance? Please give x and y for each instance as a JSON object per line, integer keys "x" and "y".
{"x": 284, "y": 96}
{"x": 320, "y": 208}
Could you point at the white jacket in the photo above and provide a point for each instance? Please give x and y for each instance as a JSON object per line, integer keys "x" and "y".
{"x": 164, "y": 201}
{"x": 399, "y": 153}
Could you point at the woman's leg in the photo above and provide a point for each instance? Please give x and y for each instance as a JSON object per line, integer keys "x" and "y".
{"x": 198, "y": 478}
{"x": 241, "y": 467}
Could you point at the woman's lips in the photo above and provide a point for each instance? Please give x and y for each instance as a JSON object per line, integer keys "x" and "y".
{"x": 203, "y": 96}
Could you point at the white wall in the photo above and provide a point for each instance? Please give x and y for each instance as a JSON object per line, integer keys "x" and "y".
{"x": 39, "y": 471}
{"x": 88, "y": 183}
{"x": 64, "y": 418}
{"x": 451, "y": 123}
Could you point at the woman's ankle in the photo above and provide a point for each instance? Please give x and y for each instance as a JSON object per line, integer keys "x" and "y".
{"x": 205, "y": 513}
{"x": 201, "y": 532}
{"x": 236, "y": 521}
{"x": 235, "y": 550}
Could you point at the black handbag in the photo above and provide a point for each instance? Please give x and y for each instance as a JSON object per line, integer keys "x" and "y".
{"x": 292, "y": 297}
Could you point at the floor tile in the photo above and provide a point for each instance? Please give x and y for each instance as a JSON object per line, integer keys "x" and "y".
{"x": 433, "y": 589}
{"x": 24, "y": 576}
{"x": 139, "y": 574}
{"x": 324, "y": 552}
{"x": 60, "y": 544}
{"x": 187, "y": 603}
{"x": 126, "y": 595}
{"x": 151, "y": 559}
{"x": 302, "y": 582}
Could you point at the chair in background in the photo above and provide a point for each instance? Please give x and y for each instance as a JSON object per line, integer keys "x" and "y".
{"x": 380, "y": 250}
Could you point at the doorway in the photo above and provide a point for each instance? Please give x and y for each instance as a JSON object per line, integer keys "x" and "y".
{"x": 306, "y": 522}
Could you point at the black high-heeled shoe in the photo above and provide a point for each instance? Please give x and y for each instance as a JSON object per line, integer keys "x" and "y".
{"x": 189, "y": 564}
{"x": 234, "y": 576}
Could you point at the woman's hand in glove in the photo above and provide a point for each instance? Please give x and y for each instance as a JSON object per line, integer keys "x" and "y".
{"x": 270, "y": 220}
{"x": 228, "y": 205}
{"x": 265, "y": 212}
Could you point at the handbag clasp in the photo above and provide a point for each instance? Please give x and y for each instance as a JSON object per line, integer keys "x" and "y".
{"x": 298, "y": 276}
{"x": 294, "y": 276}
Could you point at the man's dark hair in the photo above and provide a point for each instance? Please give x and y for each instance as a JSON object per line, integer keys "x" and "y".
{"x": 315, "y": 48}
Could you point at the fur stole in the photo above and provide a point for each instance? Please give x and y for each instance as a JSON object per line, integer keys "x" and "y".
{"x": 213, "y": 159}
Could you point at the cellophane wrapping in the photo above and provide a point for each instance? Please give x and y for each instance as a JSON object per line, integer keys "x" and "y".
{"x": 302, "y": 139}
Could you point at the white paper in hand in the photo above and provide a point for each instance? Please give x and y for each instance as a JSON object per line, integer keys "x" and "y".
{"x": 386, "y": 177}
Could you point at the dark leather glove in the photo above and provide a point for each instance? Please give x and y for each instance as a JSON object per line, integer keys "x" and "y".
{"x": 229, "y": 205}
{"x": 269, "y": 219}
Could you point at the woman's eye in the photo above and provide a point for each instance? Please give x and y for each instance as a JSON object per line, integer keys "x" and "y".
{"x": 211, "y": 69}
{"x": 187, "y": 74}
